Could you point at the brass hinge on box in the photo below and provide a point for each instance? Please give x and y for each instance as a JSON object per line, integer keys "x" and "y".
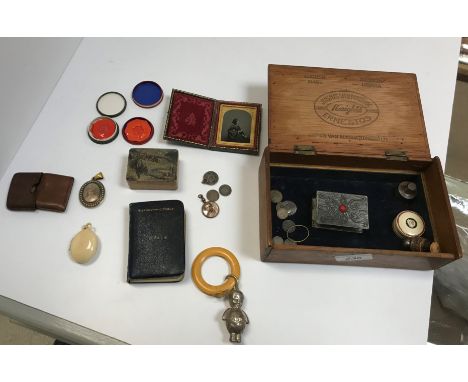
{"x": 396, "y": 155}
{"x": 304, "y": 150}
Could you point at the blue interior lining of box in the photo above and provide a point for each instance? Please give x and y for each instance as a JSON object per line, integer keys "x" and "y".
{"x": 384, "y": 202}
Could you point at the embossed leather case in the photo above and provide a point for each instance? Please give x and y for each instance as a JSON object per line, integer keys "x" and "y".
{"x": 22, "y": 192}
{"x": 35, "y": 190}
{"x": 53, "y": 192}
{"x": 156, "y": 242}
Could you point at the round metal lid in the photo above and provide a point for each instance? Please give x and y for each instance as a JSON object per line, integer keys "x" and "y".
{"x": 147, "y": 94}
{"x": 137, "y": 131}
{"x": 103, "y": 130}
{"x": 111, "y": 104}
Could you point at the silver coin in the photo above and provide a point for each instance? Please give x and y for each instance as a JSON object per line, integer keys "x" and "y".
{"x": 290, "y": 242}
{"x": 212, "y": 195}
{"x": 289, "y": 226}
{"x": 279, "y": 205}
{"x": 282, "y": 213}
{"x": 278, "y": 240}
{"x": 276, "y": 196}
{"x": 210, "y": 178}
{"x": 288, "y": 205}
{"x": 225, "y": 190}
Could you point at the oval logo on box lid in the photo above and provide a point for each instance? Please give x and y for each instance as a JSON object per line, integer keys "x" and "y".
{"x": 346, "y": 109}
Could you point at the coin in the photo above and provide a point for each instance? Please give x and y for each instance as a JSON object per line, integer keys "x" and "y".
{"x": 225, "y": 190}
{"x": 288, "y": 205}
{"x": 212, "y": 195}
{"x": 210, "y": 178}
{"x": 282, "y": 213}
{"x": 210, "y": 209}
{"x": 278, "y": 240}
{"x": 276, "y": 196}
{"x": 289, "y": 226}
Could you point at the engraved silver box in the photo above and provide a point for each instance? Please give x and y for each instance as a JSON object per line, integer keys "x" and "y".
{"x": 342, "y": 212}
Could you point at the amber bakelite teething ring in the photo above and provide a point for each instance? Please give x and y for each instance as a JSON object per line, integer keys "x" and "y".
{"x": 229, "y": 284}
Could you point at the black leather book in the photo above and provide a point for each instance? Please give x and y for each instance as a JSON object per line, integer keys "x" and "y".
{"x": 157, "y": 242}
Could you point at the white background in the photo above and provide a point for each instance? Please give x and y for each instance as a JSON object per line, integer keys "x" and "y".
{"x": 286, "y": 303}
{"x": 30, "y": 69}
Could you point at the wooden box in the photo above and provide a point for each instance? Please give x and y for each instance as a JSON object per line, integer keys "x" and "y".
{"x": 356, "y": 132}
{"x": 152, "y": 169}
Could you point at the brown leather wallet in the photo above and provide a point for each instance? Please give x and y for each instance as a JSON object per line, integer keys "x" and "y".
{"x": 30, "y": 191}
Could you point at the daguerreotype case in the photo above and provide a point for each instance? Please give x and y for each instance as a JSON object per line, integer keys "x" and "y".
{"x": 152, "y": 169}
{"x": 211, "y": 124}
{"x": 336, "y": 132}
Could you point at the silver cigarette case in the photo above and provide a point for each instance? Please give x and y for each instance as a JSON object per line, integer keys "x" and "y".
{"x": 341, "y": 212}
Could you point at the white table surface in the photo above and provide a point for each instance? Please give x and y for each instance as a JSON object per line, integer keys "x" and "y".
{"x": 286, "y": 303}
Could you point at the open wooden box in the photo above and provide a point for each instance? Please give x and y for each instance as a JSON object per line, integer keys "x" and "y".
{"x": 355, "y": 132}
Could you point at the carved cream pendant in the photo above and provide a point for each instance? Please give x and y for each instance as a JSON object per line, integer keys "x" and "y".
{"x": 84, "y": 245}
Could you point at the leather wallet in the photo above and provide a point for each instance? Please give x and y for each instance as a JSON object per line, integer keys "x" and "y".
{"x": 156, "y": 242}
{"x": 35, "y": 190}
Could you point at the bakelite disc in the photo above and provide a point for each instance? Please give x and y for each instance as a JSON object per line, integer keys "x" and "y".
{"x": 111, "y": 104}
{"x": 103, "y": 130}
{"x": 147, "y": 94}
{"x": 137, "y": 131}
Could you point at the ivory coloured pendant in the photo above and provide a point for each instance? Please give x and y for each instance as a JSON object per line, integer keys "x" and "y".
{"x": 84, "y": 245}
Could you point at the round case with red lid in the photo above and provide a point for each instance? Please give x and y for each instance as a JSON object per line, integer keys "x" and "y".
{"x": 103, "y": 130}
{"x": 137, "y": 131}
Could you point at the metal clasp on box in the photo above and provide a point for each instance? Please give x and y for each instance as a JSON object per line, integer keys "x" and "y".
{"x": 305, "y": 150}
{"x": 396, "y": 155}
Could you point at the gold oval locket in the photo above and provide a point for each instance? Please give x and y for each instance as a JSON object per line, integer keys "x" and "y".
{"x": 92, "y": 192}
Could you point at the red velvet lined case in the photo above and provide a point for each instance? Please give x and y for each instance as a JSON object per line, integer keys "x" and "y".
{"x": 217, "y": 125}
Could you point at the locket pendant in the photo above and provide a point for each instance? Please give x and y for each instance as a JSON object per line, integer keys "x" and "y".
{"x": 84, "y": 245}
{"x": 209, "y": 209}
{"x": 92, "y": 192}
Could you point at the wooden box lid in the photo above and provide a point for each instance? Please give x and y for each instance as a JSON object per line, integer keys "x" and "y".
{"x": 345, "y": 112}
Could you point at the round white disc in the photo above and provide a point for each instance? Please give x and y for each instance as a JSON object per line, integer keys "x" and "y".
{"x": 111, "y": 104}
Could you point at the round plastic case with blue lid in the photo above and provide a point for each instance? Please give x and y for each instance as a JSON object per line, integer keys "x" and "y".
{"x": 147, "y": 94}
